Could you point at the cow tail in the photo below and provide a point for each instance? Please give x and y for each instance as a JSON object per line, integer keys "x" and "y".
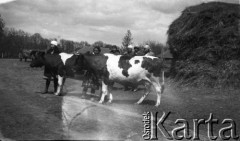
{"x": 162, "y": 85}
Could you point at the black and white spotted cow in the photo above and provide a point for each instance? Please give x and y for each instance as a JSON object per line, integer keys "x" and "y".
{"x": 60, "y": 66}
{"x": 136, "y": 70}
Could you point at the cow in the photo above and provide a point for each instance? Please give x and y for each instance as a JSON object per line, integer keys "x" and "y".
{"x": 60, "y": 66}
{"x": 124, "y": 70}
{"x": 33, "y": 53}
{"x": 27, "y": 54}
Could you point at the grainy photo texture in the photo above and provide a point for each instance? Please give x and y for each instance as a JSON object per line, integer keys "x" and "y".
{"x": 130, "y": 70}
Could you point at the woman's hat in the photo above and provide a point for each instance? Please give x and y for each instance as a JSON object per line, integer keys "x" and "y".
{"x": 54, "y": 43}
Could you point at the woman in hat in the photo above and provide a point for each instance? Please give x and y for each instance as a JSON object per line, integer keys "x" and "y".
{"x": 148, "y": 51}
{"x": 47, "y": 71}
{"x": 90, "y": 80}
{"x": 53, "y": 48}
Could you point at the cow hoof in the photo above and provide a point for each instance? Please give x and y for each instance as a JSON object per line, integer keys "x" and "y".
{"x": 135, "y": 90}
{"x": 136, "y": 103}
{"x": 100, "y": 102}
{"x": 157, "y": 105}
{"x": 57, "y": 94}
{"x": 110, "y": 98}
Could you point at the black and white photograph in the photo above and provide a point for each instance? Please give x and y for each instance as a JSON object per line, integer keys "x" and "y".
{"x": 129, "y": 70}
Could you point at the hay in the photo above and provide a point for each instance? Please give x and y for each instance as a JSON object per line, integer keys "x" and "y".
{"x": 205, "y": 43}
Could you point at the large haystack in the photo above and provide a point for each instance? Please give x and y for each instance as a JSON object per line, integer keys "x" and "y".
{"x": 205, "y": 43}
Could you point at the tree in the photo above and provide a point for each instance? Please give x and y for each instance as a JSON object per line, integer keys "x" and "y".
{"x": 108, "y": 46}
{"x": 1, "y": 26}
{"x": 37, "y": 38}
{"x": 1, "y": 33}
{"x": 98, "y": 43}
{"x": 84, "y": 44}
{"x": 127, "y": 39}
{"x": 67, "y": 45}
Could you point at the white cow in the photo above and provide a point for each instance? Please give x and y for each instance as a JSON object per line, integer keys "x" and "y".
{"x": 135, "y": 70}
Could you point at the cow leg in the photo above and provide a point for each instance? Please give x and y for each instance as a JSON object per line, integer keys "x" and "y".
{"x": 110, "y": 98}
{"x": 159, "y": 90}
{"x": 60, "y": 84}
{"x": 147, "y": 91}
{"x": 55, "y": 80}
{"x": 104, "y": 92}
{"x": 110, "y": 88}
{"x": 64, "y": 80}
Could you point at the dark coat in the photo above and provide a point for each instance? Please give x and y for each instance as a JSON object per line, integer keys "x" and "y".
{"x": 90, "y": 80}
{"x": 52, "y": 50}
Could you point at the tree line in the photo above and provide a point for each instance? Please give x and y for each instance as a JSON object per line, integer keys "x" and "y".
{"x": 13, "y": 41}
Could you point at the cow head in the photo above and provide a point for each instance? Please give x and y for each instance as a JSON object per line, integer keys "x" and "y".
{"x": 38, "y": 61}
{"x": 79, "y": 64}
{"x": 84, "y": 61}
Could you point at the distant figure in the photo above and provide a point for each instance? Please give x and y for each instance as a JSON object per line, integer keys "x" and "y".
{"x": 96, "y": 50}
{"x": 20, "y": 56}
{"x": 47, "y": 72}
{"x": 89, "y": 79}
{"x": 136, "y": 51}
{"x": 53, "y": 48}
{"x": 148, "y": 51}
{"x": 114, "y": 50}
{"x": 129, "y": 51}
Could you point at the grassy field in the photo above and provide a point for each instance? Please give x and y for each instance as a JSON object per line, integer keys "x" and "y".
{"x": 24, "y": 113}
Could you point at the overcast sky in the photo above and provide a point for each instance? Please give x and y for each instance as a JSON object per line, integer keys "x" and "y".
{"x": 96, "y": 20}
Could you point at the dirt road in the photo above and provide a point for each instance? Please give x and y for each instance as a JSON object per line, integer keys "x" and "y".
{"x": 27, "y": 114}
